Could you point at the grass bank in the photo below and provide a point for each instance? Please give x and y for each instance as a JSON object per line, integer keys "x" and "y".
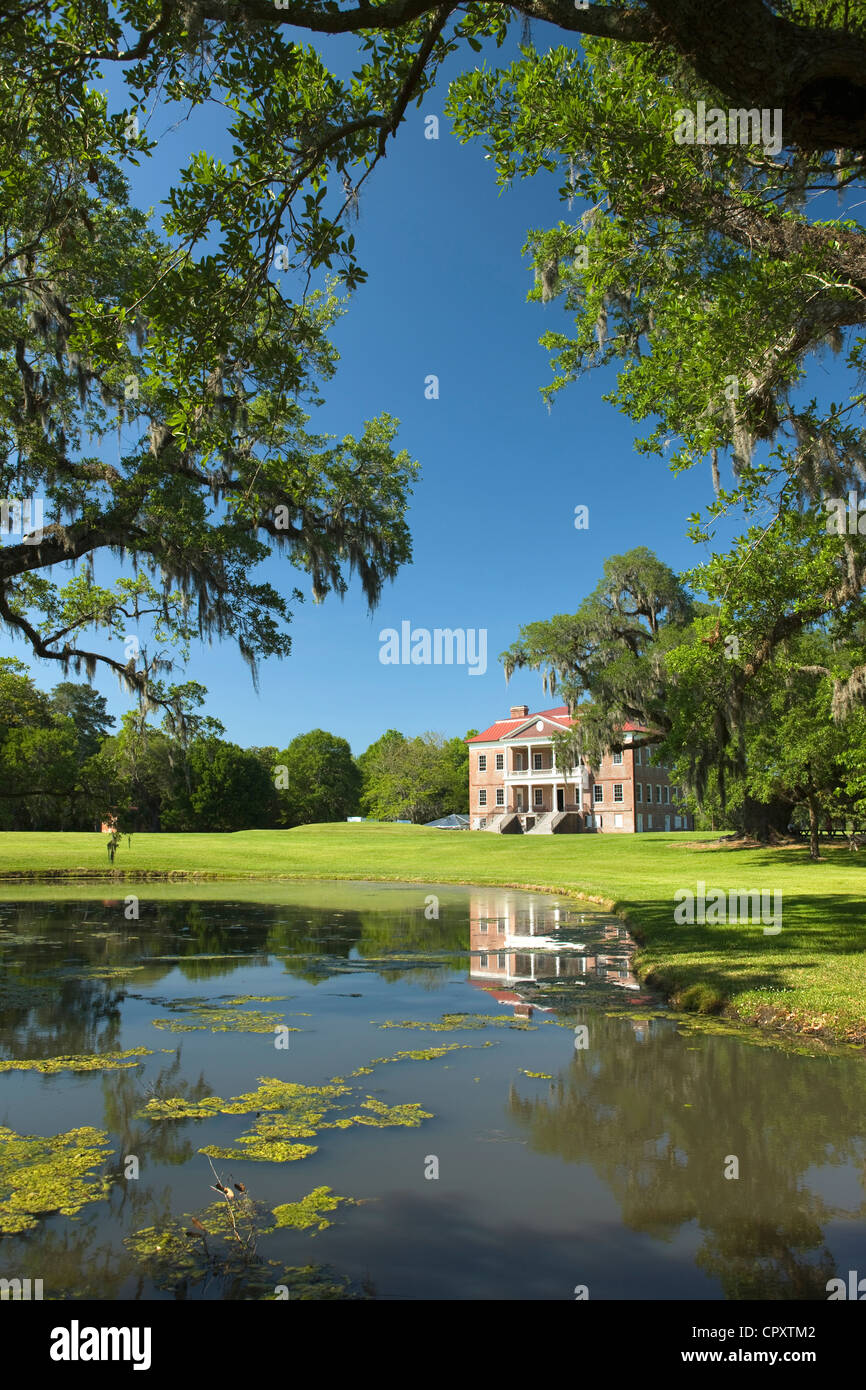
{"x": 809, "y": 978}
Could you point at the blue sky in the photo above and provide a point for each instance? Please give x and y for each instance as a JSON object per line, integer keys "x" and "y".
{"x": 492, "y": 515}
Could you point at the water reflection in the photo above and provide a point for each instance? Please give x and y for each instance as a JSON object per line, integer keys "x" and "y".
{"x": 617, "y": 1150}
{"x": 517, "y": 942}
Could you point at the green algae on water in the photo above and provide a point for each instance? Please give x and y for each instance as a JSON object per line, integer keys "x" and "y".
{"x": 39, "y": 1176}
{"x": 272, "y": 1137}
{"x": 172, "y": 1255}
{"x": 302, "y": 1111}
{"x": 237, "y": 999}
{"x": 305, "y": 1103}
{"x": 451, "y": 1023}
{"x": 311, "y": 1210}
{"x": 417, "y": 1054}
{"x": 386, "y": 1115}
{"x": 108, "y": 973}
{"x": 285, "y": 1111}
{"x": 96, "y": 1061}
{"x": 226, "y": 1021}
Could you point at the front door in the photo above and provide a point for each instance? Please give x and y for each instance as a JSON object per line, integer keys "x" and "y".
{"x": 560, "y": 799}
{"x": 520, "y": 801}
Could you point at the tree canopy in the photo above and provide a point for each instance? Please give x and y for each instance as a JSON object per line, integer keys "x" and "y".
{"x": 712, "y": 274}
{"x": 180, "y": 345}
{"x": 755, "y": 713}
{"x": 415, "y": 779}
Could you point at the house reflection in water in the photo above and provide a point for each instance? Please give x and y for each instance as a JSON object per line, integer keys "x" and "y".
{"x": 516, "y": 942}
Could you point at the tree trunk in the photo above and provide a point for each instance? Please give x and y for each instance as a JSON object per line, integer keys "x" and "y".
{"x": 761, "y": 820}
{"x": 814, "y": 847}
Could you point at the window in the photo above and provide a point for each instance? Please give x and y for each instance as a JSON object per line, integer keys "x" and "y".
{"x": 617, "y": 759}
{"x": 599, "y": 822}
{"x": 538, "y": 796}
{"x": 639, "y": 790}
{"x": 482, "y": 927}
{"x": 500, "y": 927}
{"x": 538, "y": 761}
{"x": 649, "y": 822}
{"x": 482, "y": 797}
{"x": 649, "y": 794}
{"x": 667, "y": 795}
{"x": 482, "y": 961}
{"x": 500, "y": 960}
{"x": 597, "y": 793}
{"x": 500, "y": 761}
{"x": 617, "y": 822}
{"x": 482, "y": 762}
{"x": 637, "y": 756}
{"x": 617, "y": 791}
{"x": 500, "y": 796}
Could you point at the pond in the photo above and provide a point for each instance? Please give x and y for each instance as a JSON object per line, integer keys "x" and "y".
{"x": 412, "y": 1091}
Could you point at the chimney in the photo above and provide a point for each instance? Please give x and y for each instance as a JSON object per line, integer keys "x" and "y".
{"x": 519, "y": 711}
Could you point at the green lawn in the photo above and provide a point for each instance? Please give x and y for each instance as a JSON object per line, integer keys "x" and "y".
{"x": 811, "y": 976}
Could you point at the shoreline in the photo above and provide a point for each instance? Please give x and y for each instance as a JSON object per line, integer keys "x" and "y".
{"x": 765, "y": 1020}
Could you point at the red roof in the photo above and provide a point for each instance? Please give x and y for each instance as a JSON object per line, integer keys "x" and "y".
{"x": 503, "y": 727}
{"x": 501, "y": 996}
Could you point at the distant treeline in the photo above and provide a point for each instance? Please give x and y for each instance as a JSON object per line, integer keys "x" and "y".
{"x": 62, "y": 767}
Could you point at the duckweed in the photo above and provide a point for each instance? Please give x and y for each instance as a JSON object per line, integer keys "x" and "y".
{"x": 310, "y": 1211}
{"x": 450, "y": 1023}
{"x": 172, "y": 1254}
{"x": 385, "y": 1115}
{"x": 285, "y": 1111}
{"x": 418, "y": 1054}
{"x": 225, "y": 1021}
{"x": 97, "y": 1061}
{"x": 43, "y": 1175}
{"x": 306, "y": 1104}
{"x": 238, "y": 999}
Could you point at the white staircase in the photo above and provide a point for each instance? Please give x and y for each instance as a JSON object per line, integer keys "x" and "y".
{"x": 543, "y": 825}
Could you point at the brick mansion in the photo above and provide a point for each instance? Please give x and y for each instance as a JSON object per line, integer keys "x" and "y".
{"x": 516, "y": 788}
